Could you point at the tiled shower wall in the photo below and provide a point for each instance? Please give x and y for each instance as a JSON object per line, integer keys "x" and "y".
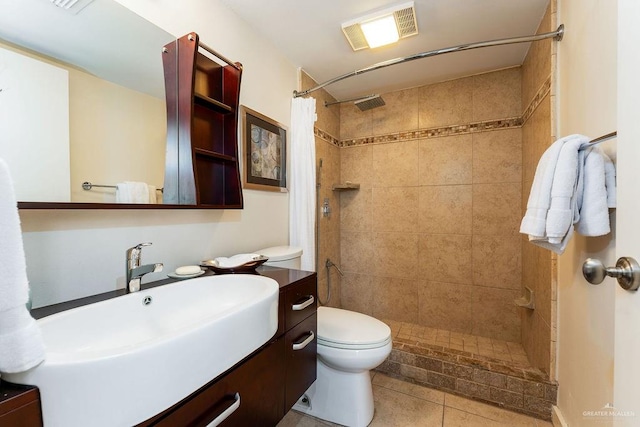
{"x": 538, "y": 265}
{"x": 452, "y": 264}
{"x": 432, "y": 236}
{"x": 327, "y": 133}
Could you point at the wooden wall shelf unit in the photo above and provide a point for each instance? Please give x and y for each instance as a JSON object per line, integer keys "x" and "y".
{"x": 202, "y": 166}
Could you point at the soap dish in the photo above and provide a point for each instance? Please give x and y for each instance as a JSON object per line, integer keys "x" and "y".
{"x": 248, "y": 267}
{"x": 175, "y": 275}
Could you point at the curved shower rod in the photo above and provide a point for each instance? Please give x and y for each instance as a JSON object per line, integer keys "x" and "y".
{"x": 556, "y": 35}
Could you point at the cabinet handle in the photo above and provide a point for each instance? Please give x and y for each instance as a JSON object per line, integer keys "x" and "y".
{"x": 297, "y": 307}
{"x": 230, "y": 410}
{"x": 303, "y": 344}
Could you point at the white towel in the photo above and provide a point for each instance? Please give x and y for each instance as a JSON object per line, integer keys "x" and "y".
{"x": 558, "y": 248}
{"x": 566, "y": 189}
{"x": 153, "y": 194}
{"x": 579, "y": 193}
{"x": 594, "y": 209}
{"x": 236, "y": 260}
{"x": 133, "y": 192}
{"x": 610, "y": 181}
{"x": 534, "y": 222}
{"x": 21, "y": 344}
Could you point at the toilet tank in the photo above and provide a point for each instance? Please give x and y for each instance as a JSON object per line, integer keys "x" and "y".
{"x": 282, "y": 256}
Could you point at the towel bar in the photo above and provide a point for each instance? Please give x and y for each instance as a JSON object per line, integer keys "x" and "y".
{"x": 600, "y": 140}
{"x": 88, "y": 186}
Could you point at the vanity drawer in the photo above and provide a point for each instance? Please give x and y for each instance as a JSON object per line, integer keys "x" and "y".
{"x": 300, "y": 359}
{"x": 300, "y": 302}
{"x": 248, "y": 393}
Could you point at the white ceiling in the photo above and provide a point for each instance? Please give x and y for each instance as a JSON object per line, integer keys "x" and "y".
{"x": 105, "y": 39}
{"x": 309, "y": 34}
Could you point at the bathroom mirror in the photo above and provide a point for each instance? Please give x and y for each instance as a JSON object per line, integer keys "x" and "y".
{"x": 94, "y": 106}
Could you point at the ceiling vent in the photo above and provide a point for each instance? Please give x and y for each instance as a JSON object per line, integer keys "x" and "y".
{"x": 404, "y": 16}
{"x": 71, "y": 6}
{"x": 406, "y": 21}
{"x": 355, "y": 36}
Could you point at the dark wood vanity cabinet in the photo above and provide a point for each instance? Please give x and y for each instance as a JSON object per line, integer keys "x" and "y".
{"x": 202, "y": 166}
{"x": 19, "y": 405}
{"x": 268, "y": 382}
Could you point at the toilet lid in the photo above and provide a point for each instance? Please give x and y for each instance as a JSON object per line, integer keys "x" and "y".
{"x": 281, "y": 253}
{"x": 348, "y": 329}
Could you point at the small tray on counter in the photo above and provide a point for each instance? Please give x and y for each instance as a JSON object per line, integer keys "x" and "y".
{"x": 248, "y": 267}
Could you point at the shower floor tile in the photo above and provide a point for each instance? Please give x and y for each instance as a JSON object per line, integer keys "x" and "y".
{"x": 505, "y": 351}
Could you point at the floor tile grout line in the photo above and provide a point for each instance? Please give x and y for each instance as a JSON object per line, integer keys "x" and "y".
{"x": 517, "y": 414}
{"x": 412, "y": 395}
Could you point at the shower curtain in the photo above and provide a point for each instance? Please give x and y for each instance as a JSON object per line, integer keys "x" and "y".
{"x": 302, "y": 199}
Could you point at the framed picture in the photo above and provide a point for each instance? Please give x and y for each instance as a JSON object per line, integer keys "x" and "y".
{"x": 264, "y": 151}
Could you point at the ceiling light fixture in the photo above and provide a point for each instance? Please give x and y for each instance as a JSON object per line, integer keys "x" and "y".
{"x": 382, "y": 27}
{"x": 381, "y": 31}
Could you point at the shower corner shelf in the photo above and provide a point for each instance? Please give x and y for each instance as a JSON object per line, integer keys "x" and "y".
{"x": 346, "y": 186}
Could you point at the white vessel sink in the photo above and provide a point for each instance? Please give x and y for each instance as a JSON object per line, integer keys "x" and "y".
{"x": 119, "y": 362}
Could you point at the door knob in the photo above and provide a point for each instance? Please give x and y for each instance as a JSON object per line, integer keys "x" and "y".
{"x": 627, "y": 271}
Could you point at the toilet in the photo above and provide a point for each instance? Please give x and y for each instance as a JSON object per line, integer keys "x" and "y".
{"x": 349, "y": 345}
{"x": 282, "y": 256}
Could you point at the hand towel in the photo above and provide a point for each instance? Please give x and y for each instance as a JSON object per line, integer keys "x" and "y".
{"x": 21, "y": 344}
{"x": 236, "y": 260}
{"x": 153, "y": 194}
{"x": 132, "y": 192}
{"x": 579, "y": 194}
{"x": 565, "y": 190}
{"x": 558, "y": 248}
{"x": 610, "y": 181}
{"x": 534, "y": 222}
{"x": 594, "y": 211}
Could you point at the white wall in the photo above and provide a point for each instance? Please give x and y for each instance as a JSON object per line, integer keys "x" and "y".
{"x": 586, "y": 104}
{"x": 34, "y": 129}
{"x": 117, "y": 134}
{"x": 71, "y": 254}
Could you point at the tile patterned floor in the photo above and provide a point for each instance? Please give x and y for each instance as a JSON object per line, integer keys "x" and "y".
{"x": 402, "y": 404}
{"x": 497, "y": 349}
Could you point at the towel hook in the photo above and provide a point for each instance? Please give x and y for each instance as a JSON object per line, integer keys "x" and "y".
{"x": 627, "y": 271}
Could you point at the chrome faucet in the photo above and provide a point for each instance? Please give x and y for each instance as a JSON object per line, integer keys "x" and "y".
{"x": 135, "y": 271}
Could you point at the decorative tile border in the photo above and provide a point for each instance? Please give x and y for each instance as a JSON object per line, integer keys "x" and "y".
{"x": 325, "y": 136}
{"x": 486, "y": 126}
{"x": 518, "y": 388}
{"x": 508, "y": 123}
{"x": 544, "y": 90}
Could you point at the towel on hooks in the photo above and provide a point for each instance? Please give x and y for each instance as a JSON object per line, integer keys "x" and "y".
{"x": 21, "y": 344}
{"x": 134, "y": 192}
{"x": 572, "y": 186}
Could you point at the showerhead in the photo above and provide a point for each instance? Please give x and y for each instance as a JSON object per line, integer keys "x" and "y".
{"x": 364, "y": 103}
{"x": 369, "y": 102}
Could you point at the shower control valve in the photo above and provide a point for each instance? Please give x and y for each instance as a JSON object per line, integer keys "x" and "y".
{"x": 326, "y": 209}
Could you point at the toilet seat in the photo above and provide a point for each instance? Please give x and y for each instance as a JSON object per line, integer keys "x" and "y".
{"x": 350, "y": 330}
